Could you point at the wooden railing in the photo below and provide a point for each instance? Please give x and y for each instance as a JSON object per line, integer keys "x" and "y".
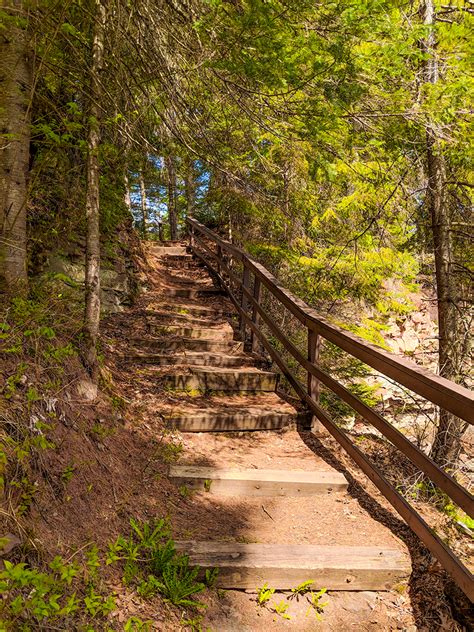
{"x": 220, "y": 257}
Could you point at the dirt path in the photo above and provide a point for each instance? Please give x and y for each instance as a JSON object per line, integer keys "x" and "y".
{"x": 360, "y": 516}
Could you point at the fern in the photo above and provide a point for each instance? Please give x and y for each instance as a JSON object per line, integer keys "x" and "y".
{"x": 162, "y": 556}
{"x": 179, "y": 582}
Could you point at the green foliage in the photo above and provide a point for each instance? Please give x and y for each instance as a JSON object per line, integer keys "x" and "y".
{"x": 370, "y": 331}
{"x": 302, "y": 588}
{"x": 68, "y": 593}
{"x": 458, "y": 516}
{"x": 281, "y": 609}
{"x": 32, "y": 599}
{"x": 170, "y": 451}
{"x": 184, "y": 491}
{"x": 264, "y": 594}
{"x": 68, "y": 473}
{"x": 194, "y": 624}
{"x": 135, "y": 624}
{"x": 210, "y": 577}
{"x": 179, "y": 582}
{"x": 317, "y": 606}
{"x": 151, "y": 563}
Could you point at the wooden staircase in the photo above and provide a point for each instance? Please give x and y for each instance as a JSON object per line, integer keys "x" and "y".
{"x": 194, "y": 352}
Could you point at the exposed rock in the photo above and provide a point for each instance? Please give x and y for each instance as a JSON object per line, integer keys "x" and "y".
{"x": 118, "y": 287}
{"x": 8, "y": 542}
{"x": 86, "y": 390}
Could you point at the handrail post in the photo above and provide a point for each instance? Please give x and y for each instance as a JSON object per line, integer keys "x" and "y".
{"x": 314, "y": 386}
{"x": 257, "y": 293}
{"x": 244, "y": 301}
{"x": 191, "y": 237}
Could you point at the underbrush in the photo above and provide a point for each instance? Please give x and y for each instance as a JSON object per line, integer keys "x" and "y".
{"x": 49, "y": 437}
{"x": 73, "y": 593}
{"x": 39, "y": 339}
{"x": 152, "y": 565}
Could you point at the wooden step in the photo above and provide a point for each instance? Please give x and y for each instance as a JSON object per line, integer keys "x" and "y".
{"x": 284, "y": 566}
{"x": 224, "y": 380}
{"x": 161, "y": 251}
{"x": 185, "y": 262}
{"x": 189, "y": 283}
{"x": 189, "y": 344}
{"x": 219, "y": 332}
{"x": 256, "y": 482}
{"x": 186, "y": 319}
{"x": 238, "y": 421}
{"x": 183, "y": 257}
{"x": 180, "y": 292}
{"x": 169, "y": 243}
{"x": 194, "y": 358}
{"x": 190, "y": 309}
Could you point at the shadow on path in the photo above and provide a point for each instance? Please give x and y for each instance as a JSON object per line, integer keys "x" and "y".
{"x": 429, "y": 587}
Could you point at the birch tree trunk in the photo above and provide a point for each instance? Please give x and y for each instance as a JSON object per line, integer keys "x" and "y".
{"x": 15, "y": 111}
{"x": 172, "y": 206}
{"x": 92, "y": 285}
{"x": 143, "y": 203}
{"x": 447, "y": 441}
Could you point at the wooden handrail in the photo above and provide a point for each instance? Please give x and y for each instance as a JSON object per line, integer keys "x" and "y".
{"x": 452, "y": 397}
{"x": 446, "y": 394}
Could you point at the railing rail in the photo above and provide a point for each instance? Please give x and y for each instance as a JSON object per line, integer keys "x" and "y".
{"x": 448, "y": 395}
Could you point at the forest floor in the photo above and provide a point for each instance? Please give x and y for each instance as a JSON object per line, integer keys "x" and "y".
{"x": 120, "y": 455}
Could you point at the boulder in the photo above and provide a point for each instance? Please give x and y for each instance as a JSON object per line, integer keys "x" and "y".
{"x": 117, "y": 286}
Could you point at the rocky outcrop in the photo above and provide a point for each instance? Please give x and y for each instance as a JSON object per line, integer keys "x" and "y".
{"x": 416, "y": 334}
{"x": 119, "y": 285}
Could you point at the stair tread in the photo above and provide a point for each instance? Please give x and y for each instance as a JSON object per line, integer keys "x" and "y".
{"x": 219, "y": 332}
{"x": 187, "y": 319}
{"x": 175, "y": 343}
{"x": 194, "y": 358}
{"x": 196, "y": 355}
{"x": 245, "y": 483}
{"x": 247, "y": 412}
{"x": 283, "y": 566}
{"x": 307, "y": 555}
{"x": 263, "y": 403}
{"x": 212, "y": 326}
{"x": 190, "y": 292}
{"x": 255, "y": 474}
{"x": 251, "y": 370}
{"x": 169, "y": 250}
{"x": 221, "y": 379}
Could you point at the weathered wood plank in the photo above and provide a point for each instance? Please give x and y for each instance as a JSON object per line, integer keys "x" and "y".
{"x": 219, "y": 332}
{"x": 257, "y": 482}
{"x": 181, "y": 319}
{"x": 224, "y": 380}
{"x": 194, "y": 358}
{"x": 180, "y": 292}
{"x": 249, "y": 566}
{"x": 164, "y": 251}
{"x": 194, "y": 344}
{"x": 232, "y": 422}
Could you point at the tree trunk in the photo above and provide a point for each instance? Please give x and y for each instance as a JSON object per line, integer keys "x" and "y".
{"x": 92, "y": 311}
{"x": 190, "y": 188}
{"x": 15, "y": 113}
{"x": 143, "y": 204}
{"x": 172, "y": 200}
{"x": 447, "y": 441}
